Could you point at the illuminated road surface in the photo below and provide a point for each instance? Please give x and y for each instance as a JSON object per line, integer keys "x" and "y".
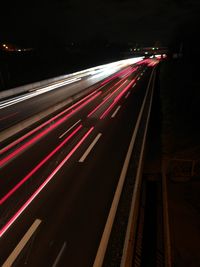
{"x": 23, "y": 106}
{"x": 58, "y": 180}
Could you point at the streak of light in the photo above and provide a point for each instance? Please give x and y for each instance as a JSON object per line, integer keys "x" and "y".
{"x": 99, "y": 70}
{"x": 38, "y": 166}
{"x": 121, "y": 64}
{"x": 116, "y": 100}
{"x": 108, "y": 92}
{"x": 46, "y": 131}
{"x": 107, "y": 71}
{"x": 110, "y": 95}
{"x": 130, "y": 72}
{"x": 124, "y": 90}
{"x": 37, "y": 92}
{"x": 115, "y": 76}
{"x": 44, "y": 124}
{"x": 49, "y": 178}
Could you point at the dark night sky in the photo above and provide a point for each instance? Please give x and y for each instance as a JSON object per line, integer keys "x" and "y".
{"x": 62, "y": 21}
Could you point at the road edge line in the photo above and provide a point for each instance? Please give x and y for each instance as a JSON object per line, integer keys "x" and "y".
{"x": 109, "y": 223}
{"x": 126, "y": 259}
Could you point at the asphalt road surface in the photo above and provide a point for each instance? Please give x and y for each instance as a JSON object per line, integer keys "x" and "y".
{"x": 64, "y": 174}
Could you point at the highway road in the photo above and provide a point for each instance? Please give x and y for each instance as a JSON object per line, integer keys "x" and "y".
{"x": 25, "y": 105}
{"x": 59, "y": 179}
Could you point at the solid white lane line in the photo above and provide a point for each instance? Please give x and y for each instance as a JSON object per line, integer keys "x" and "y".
{"x": 129, "y": 239}
{"x": 115, "y": 112}
{"x": 59, "y": 255}
{"x": 90, "y": 148}
{"x": 69, "y": 129}
{"x": 126, "y": 96}
{"x": 98, "y": 262}
{"x": 15, "y": 253}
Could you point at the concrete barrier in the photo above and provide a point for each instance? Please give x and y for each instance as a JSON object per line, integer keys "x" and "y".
{"x": 29, "y": 87}
{"x": 7, "y": 133}
{"x": 36, "y": 85}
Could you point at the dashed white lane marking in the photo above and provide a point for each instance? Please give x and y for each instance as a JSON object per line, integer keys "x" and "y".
{"x": 115, "y": 112}
{"x": 15, "y": 253}
{"x": 69, "y": 129}
{"x": 90, "y": 148}
{"x": 126, "y": 96}
{"x": 59, "y": 255}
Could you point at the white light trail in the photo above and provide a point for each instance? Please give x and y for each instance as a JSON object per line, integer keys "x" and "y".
{"x": 96, "y": 72}
{"x": 37, "y": 92}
